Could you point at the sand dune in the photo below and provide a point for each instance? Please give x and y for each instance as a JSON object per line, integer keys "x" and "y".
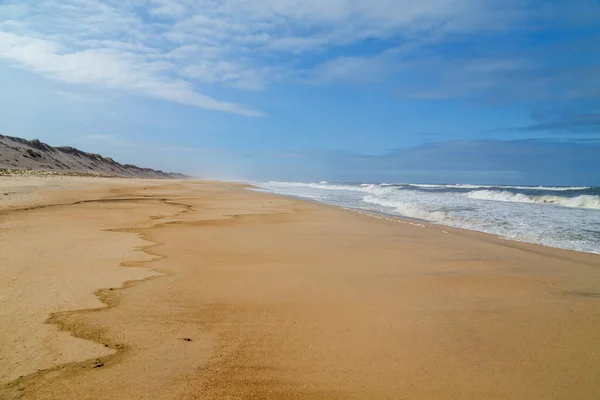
{"x": 19, "y": 155}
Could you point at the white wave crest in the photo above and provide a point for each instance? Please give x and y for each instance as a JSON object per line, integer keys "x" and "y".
{"x": 374, "y": 186}
{"x": 427, "y": 185}
{"x": 469, "y": 186}
{"x": 583, "y": 201}
{"x": 321, "y": 185}
{"x": 548, "y": 188}
{"x": 407, "y": 209}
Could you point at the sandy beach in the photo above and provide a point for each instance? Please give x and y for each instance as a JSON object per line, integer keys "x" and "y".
{"x": 148, "y": 289}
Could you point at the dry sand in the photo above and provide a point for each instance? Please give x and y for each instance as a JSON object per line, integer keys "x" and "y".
{"x": 251, "y": 296}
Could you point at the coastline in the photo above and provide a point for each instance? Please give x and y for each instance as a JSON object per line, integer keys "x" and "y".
{"x": 445, "y": 229}
{"x": 558, "y": 217}
{"x": 285, "y": 298}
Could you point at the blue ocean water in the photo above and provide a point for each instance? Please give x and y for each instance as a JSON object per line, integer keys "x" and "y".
{"x": 562, "y": 217}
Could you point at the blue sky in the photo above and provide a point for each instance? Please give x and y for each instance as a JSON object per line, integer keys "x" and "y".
{"x": 474, "y": 91}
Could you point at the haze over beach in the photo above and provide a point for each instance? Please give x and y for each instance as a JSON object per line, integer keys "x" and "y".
{"x": 364, "y": 200}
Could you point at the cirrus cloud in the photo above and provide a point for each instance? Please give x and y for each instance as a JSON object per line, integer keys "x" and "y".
{"x": 177, "y": 50}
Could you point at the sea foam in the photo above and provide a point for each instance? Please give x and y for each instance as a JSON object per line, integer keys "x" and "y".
{"x": 582, "y": 201}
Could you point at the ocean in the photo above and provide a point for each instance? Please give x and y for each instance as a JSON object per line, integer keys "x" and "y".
{"x": 562, "y": 217}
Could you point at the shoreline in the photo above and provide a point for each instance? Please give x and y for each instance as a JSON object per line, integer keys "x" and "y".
{"x": 384, "y": 214}
{"x": 421, "y": 223}
{"x": 212, "y": 212}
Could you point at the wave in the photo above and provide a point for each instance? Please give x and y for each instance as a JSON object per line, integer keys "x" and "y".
{"x": 425, "y": 185}
{"x": 407, "y": 209}
{"x": 363, "y": 186}
{"x": 320, "y": 185}
{"x": 469, "y": 186}
{"x": 583, "y": 201}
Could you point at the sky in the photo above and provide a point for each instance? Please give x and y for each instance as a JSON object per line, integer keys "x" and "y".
{"x": 430, "y": 91}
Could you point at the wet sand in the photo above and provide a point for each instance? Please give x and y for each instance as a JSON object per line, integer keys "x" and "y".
{"x": 232, "y": 294}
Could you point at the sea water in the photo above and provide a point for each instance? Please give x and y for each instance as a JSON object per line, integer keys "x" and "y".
{"x": 562, "y": 217}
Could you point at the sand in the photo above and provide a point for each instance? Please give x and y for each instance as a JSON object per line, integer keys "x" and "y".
{"x": 233, "y": 294}
{"x": 22, "y": 157}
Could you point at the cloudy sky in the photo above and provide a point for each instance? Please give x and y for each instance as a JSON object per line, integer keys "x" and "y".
{"x": 480, "y": 91}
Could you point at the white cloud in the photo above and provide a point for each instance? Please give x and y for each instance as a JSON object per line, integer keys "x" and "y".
{"x": 108, "y": 67}
{"x": 169, "y": 49}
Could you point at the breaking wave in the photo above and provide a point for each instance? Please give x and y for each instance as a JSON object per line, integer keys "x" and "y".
{"x": 468, "y": 186}
{"x": 583, "y": 201}
{"x": 407, "y": 209}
